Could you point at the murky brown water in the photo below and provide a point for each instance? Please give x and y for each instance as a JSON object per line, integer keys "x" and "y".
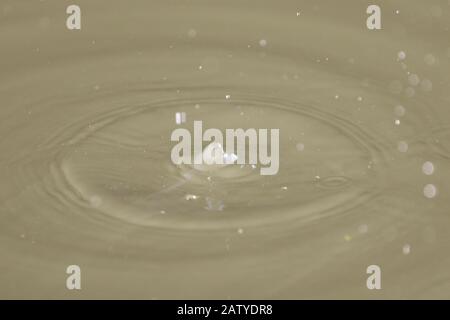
{"x": 86, "y": 176}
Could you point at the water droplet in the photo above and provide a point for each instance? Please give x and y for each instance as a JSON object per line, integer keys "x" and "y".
{"x": 300, "y": 147}
{"x": 192, "y": 33}
{"x": 399, "y": 110}
{"x": 401, "y": 55}
{"x": 263, "y": 42}
{"x": 428, "y": 168}
{"x": 190, "y": 197}
{"x": 430, "y": 191}
{"x": 406, "y": 249}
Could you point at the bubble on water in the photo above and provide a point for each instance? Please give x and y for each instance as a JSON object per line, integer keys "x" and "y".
{"x": 300, "y": 147}
{"x": 426, "y": 85}
{"x": 162, "y": 212}
{"x": 395, "y": 86}
{"x": 263, "y": 42}
{"x": 406, "y": 249}
{"x": 399, "y": 110}
{"x": 284, "y": 188}
{"x": 240, "y": 231}
{"x": 429, "y": 59}
{"x": 298, "y": 13}
{"x": 95, "y": 201}
{"x": 413, "y": 79}
{"x": 363, "y": 228}
{"x": 359, "y": 99}
{"x": 402, "y": 146}
{"x": 428, "y": 168}
{"x": 227, "y": 96}
{"x": 192, "y": 33}
{"x": 397, "y": 122}
{"x": 401, "y": 55}
{"x": 430, "y": 191}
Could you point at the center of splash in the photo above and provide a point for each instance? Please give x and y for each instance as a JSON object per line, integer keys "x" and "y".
{"x": 213, "y": 157}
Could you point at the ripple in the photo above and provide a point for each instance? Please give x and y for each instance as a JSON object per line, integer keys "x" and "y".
{"x": 86, "y": 175}
{"x": 123, "y": 158}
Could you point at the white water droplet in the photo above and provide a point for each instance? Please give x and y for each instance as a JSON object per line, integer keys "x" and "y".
{"x": 428, "y": 168}
{"x": 406, "y": 249}
{"x": 430, "y": 191}
{"x": 401, "y": 55}
{"x": 190, "y": 197}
